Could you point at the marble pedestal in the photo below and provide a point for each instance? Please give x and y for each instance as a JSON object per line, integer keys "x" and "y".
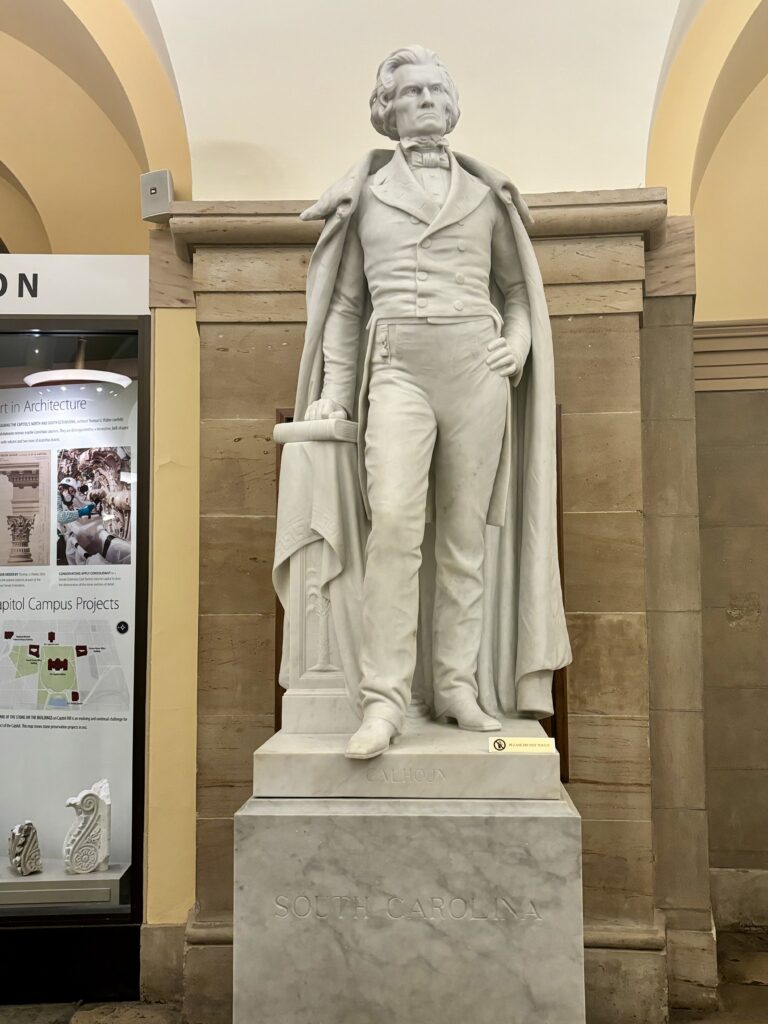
{"x": 409, "y": 911}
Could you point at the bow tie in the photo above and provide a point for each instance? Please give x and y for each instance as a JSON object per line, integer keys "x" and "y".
{"x": 428, "y": 158}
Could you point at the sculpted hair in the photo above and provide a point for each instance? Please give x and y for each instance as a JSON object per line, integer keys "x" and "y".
{"x": 382, "y": 114}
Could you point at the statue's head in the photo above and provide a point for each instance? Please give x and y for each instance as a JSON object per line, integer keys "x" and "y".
{"x": 414, "y": 95}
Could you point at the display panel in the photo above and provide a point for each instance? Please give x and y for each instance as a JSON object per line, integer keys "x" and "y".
{"x": 70, "y": 524}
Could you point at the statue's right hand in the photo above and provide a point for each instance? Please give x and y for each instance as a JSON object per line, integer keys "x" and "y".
{"x": 325, "y": 409}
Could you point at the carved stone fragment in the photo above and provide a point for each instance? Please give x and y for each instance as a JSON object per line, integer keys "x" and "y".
{"x": 24, "y": 849}
{"x": 86, "y": 847}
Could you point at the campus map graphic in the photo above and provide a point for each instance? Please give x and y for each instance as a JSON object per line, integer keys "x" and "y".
{"x": 63, "y": 664}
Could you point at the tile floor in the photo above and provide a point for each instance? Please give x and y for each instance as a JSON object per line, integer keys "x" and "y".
{"x": 743, "y": 961}
{"x": 104, "y": 1013}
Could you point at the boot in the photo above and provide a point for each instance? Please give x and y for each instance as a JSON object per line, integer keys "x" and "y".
{"x": 371, "y": 739}
{"x": 468, "y": 715}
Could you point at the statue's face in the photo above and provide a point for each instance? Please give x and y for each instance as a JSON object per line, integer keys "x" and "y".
{"x": 421, "y": 101}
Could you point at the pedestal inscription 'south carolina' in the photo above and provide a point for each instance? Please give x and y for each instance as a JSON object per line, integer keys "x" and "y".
{"x": 406, "y": 908}
{"x": 427, "y": 325}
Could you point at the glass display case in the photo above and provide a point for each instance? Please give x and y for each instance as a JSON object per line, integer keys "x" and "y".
{"x": 73, "y": 599}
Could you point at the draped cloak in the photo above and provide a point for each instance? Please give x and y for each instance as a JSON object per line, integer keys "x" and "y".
{"x": 524, "y": 637}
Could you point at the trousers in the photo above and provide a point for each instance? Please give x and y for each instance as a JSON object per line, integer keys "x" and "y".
{"x": 435, "y": 406}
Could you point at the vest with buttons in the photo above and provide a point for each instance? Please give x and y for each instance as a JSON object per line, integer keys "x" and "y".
{"x": 422, "y": 260}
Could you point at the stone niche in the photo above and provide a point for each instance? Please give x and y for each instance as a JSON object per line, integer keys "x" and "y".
{"x": 620, "y": 284}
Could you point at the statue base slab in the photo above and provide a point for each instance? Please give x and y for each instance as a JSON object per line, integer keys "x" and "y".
{"x": 355, "y": 911}
{"x": 428, "y": 760}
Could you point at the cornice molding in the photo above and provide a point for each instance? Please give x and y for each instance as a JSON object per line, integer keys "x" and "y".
{"x": 556, "y": 215}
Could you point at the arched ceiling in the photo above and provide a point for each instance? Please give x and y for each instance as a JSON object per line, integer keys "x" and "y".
{"x": 683, "y": 105}
{"x": 560, "y": 95}
{"x": 744, "y": 69}
{"x": 98, "y": 109}
{"x": 145, "y": 15}
{"x": 67, "y": 156}
{"x": 21, "y": 229}
{"x": 51, "y": 29}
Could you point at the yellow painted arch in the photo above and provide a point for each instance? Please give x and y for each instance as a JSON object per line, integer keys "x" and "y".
{"x": 21, "y": 229}
{"x": 744, "y": 69}
{"x": 683, "y": 108}
{"x": 86, "y": 106}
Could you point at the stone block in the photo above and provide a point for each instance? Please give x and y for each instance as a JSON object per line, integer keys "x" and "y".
{"x": 626, "y": 986}
{"x": 236, "y": 665}
{"x": 208, "y": 984}
{"x": 604, "y": 562}
{"x": 674, "y": 660}
{"x": 668, "y": 311}
{"x": 251, "y": 307}
{"x": 408, "y": 910}
{"x": 248, "y": 370}
{"x": 680, "y": 919}
{"x": 682, "y": 862}
{"x": 170, "y": 278}
{"x": 597, "y": 363}
{"x": 601, "y": 802}
{"x": 602, "y": 462}
{"x": 597, "y": 259}
{"x": 733, "y": 485}
{"x": 669, "y": 468}
{"x": 739, "y": 898}
{"x": 671, "y": 266}
{"x": 672, "y": 563}
{"x": 589, "y": 299}
{"x": 609, "y": 750}
{"x": 214, "y": 868}
{"x": 237, "y": 467}
{"x": 735, "y": 643}
{"x": 609, "y": 673}
{"x": 738, "y": 817}
{"x": 162, "y": 953}
{"x": 731, "y": 418}
{"x": 225, "y": 744}
{"x": 618, "y": 872}
{"x": 236, "y": 554}
{"x": 692, "y": 967}
{"x": 743, "y": 957}
{"x": 666, "y": 356}
{"x": 734, "y": 568}
{"x": 737, "y": 734}
{"x": 677, "y": 758}
{"x": 256, "y": 268}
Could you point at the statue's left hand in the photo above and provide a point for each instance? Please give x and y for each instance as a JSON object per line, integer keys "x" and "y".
{"x": 326, "y": 409}
{"x": 503, "y": 357}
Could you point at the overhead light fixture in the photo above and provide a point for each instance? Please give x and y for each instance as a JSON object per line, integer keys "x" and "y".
{"x": 77, "y": 377}
{"x": 79, "y": 374}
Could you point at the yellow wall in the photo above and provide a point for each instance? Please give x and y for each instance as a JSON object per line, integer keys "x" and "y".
{"x": 172, "y": 682}
{"x": 20, "y": 226}
{"x": 683, "y": 102}
{"x": 709, "y": 146}
{"x": 73, "y": 163}
{"x": 85, "y": 107}
{"x": 731, "y": 217}
{"x": 151, "y": 94}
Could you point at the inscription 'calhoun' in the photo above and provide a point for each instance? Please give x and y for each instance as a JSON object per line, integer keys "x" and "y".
{"x": 402, "y": 776}
{"x": 398, "y": 908}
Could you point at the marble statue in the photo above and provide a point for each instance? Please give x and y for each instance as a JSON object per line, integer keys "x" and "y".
{"x": 87, "y": 844}
{"x": 427, "y": 325}
{"x": 24, "y": 849}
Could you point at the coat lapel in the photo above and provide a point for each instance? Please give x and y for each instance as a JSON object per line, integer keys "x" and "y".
{"x": 464, "y": 195}
{"x": 396, "y": 186}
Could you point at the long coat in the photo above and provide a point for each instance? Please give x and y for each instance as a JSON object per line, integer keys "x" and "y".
{"x": 524, "y": 632}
